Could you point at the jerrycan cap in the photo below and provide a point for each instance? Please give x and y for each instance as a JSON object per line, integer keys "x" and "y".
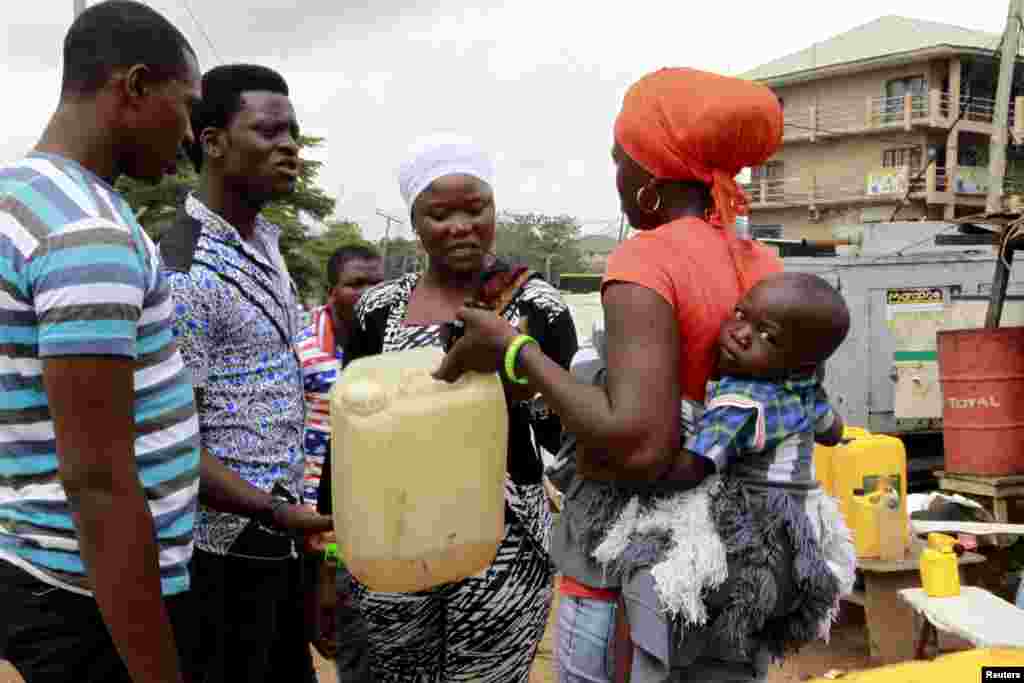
{"x": 943, "y": 543}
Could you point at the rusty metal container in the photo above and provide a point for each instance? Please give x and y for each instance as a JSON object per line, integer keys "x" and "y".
{"x": 982, "y": 376}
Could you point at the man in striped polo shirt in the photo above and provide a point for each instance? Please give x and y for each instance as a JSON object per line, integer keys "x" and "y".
{"x": 99, "y": 450}
{"x": 350, "y": 271}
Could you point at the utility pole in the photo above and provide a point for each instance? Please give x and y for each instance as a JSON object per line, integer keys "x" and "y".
{"x": 997, "y": 149}
{"x": 79, "y": 7}
{"x": 387, "y": 233}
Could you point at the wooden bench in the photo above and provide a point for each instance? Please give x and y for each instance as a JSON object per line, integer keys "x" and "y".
{"x": 890, "y": 622}
{"x": 1001, "y": 491}
{"x": 977, "y": 616}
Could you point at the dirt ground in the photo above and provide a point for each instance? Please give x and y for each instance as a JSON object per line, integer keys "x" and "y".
{"x": 846, "y": 651}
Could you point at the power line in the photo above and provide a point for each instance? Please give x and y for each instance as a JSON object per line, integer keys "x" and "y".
{"x": 202, "y": 30}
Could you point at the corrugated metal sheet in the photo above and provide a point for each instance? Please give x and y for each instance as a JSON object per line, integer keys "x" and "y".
{"x": 879, "y": 38}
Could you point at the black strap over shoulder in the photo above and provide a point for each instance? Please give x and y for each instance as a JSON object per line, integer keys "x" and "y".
{"x": 178, "y": 243}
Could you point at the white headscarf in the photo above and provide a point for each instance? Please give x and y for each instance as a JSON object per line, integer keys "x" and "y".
{"x": 439, "y": 155}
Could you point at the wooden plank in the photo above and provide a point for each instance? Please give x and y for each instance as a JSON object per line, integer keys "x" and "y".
{"x": 921, "y": 526}
{"x": 993, "y": 484}
{"x": 890, "y": 621}
{"x": 976, "y": 615}
{"x": 967, "y": 486}
{"x": 996, "y": 480}
{"x": 973, "y": 488}
{"x": 910, "y": 563}
{"x": 1010, "y": 488}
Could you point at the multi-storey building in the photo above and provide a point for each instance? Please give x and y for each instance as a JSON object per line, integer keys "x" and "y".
{"x": 896, "y": 113}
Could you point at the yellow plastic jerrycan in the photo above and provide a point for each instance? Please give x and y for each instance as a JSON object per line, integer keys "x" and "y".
{"x": 940, "y": 571}
{"x": 873, "y": 455}
{"x": 958, "y": 666}
{"x": 823, "y": 467}
{"x": 418, "y": 471}
{"x": 824, "y": 455}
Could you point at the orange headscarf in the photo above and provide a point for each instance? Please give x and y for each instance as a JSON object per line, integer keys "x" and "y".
{"x": 684, "y": 124}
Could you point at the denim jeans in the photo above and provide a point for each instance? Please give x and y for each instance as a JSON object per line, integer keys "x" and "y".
{"x": 585, "y": 635}
{"x": 585, "y": 639}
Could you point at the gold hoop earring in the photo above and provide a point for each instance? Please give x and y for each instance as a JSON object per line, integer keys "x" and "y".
{"x": 640, "y": 198}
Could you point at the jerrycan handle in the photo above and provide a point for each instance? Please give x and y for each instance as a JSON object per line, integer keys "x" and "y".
{"x": 453, "y": 330}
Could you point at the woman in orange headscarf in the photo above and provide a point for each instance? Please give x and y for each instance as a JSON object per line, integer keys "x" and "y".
{"x": 680, "y": 139}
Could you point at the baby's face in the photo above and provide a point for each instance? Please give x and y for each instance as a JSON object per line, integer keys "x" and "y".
{"x": 760, "y": 340}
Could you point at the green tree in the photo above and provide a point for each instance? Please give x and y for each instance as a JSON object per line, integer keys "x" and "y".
{"x": 539, "y": 241}
{"x": 155, "y": 205}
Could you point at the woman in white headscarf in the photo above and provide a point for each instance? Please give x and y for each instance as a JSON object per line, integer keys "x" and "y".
{"x": 485, "y": 628}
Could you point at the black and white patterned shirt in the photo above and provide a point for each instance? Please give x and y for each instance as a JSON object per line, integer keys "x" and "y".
{"x": 380, "y": 328}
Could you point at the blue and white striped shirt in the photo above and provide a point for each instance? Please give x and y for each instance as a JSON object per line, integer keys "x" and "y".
{"x": 78, "y": 276}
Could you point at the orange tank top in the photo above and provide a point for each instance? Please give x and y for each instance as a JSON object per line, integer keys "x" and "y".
{"x": 702, "y": 271}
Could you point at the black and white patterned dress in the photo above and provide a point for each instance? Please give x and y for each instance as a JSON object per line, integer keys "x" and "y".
{"x": 487, "y": 627}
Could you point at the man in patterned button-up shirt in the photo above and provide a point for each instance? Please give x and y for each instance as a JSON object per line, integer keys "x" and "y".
{"x": 236, "y": 321}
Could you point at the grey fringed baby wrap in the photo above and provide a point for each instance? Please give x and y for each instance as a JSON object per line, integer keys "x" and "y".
{"x": 736, "y": 567}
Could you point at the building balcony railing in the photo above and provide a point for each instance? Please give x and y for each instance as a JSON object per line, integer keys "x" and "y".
{"x": 809, "y": 190}
{"x": 778, "y": 191}
{"x": 935, "y": 185}
{"x": 934, "y": 109}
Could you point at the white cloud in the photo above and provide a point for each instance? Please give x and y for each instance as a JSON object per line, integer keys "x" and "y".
{"x": 537, "y": 81}
{"x": 529, "y": 186}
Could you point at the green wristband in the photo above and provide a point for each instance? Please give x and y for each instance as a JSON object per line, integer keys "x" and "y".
{"x": 512, "y": 354}
{"x": 331, "y": 552}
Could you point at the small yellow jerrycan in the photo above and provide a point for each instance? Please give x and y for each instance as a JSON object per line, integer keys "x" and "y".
{"x": 940, "y": 572}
